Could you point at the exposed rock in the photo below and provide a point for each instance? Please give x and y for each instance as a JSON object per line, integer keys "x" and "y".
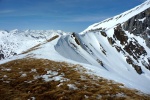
{"x": 129, "y": 60}
{"x": 88, "y": 49}
{"x": 135, "y": 49}
{"x": 111, "y": 41}
{"x": 120, "y": 35}
{"x": 131, "y": 46}
{"x": 2, "y": 56}
{"x": 136, "y": 67}
{"x": 118, "y": 48}
{"x": 102, "y": 49}
{"x": 76, "y": 38}
{"x": 103, "y": 33}
{"x": 100, "y": 62}
{"x": 138, "y": 25}
{"x": 148, "y": 59}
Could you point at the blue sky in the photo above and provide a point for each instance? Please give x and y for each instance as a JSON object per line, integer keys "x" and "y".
{"x": 66, "y": 15}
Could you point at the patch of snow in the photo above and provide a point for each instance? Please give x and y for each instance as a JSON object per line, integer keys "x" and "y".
{"x": 142, "y": 19}
{"x": 121, "y": 95}
{"x": 23, "y": 75}
{"x": 32, "y": 98}
{"x": 86, "y": 96}
{"x": 36, "y": 77}
{"x": 72, "y": 87}
{"x": 6, "y": 81}
{"x": 83, "y": 77}
{"x": 33, "y": 70}
{"x": 99, "y": 96}
{"x": 6, "y": 69}
{"x": 59, "y": 84}
{"x": 5, "y": 76}
{"x": 53, "y": 73}
{"x": 53, "y": 76}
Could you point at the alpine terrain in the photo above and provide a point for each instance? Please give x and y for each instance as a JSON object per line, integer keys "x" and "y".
{"x": 108, "y": 60}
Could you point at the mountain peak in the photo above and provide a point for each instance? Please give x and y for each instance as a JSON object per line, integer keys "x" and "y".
{"x": 111, "y": 22}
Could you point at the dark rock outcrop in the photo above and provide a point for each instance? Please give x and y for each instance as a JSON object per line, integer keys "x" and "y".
{"x": 135, "y": 49}
{"x": 120, "y": 35}
{"x": 76, "y": 38}
{"x": 111, "y": 41}
{"x": 2, "y": 56}
{"x": 139, "y": 24}
{"x": 103, "y": 33}
{"x": 136, "y": 67}
{"x": 130, "y": 46}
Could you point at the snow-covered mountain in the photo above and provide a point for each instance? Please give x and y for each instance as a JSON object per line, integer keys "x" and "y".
{"x": 116, "y": 48}
{"x": 120, "y": 38}
{"x": 15, "y": 41}
{"x": 119, "y": 45}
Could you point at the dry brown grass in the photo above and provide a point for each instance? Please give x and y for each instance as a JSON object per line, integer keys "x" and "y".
{"x": 88, "y": 87}
{"x": 53, "y": 38}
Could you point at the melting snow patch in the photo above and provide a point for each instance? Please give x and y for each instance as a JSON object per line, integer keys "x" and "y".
{"x": 59, "y": 84}
{"x": 6, "y": 69}
{"x": 83, "y": 77}
{"x": 86, "y": 96}
{"x": 6, "y": 81}
{"x": 120, "y": 95}
{"x": 53, "y": 76}
{"x": 23, "y": 75}
{"x": 72, "y": 87}
{"x": 32, "y": 98}
{"x": 52, "y": 72}
{"x": 33, "y": 70}
{"x": 36, "y": 77}
{"x": 5, "y": 76}
{"x": 99, "y": 97}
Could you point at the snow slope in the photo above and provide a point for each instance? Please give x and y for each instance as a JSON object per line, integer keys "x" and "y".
{"x": 122, "y": 59}
{"x": 16, "y": 41}
{"x": 114, "y": 65}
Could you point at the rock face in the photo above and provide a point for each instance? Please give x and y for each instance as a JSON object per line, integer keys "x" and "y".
{"x": 140, "y": 25}
{"x": 120, "y": 35}
{"x": 1, "y": 56}
{"x": 130, "y": 46}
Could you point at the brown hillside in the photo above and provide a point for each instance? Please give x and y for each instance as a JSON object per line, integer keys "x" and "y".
{"x": 24, "y": 79}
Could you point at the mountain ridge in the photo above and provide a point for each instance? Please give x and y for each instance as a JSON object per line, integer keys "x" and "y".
{"x": 104, "y": 43}
{"x": 110, "y": 52}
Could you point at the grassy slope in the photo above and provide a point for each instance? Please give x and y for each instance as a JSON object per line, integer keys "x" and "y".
{"x": 20, "y": 80}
